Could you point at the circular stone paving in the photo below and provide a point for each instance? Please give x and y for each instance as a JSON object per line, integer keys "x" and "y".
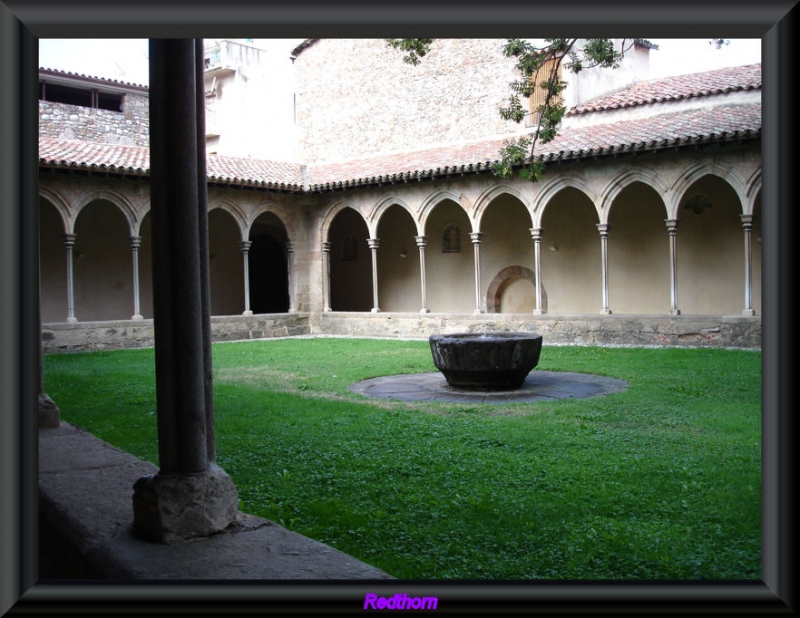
{"x": 538, "y": 386}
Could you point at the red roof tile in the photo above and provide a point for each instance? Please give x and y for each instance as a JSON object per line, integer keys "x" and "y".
{"x": 659, "y": 132}
{"x": 135, "y": 160}
{"x": 90, "y": 78}
{"x": 668, "y": 130}
{"x": 678, "y": 87}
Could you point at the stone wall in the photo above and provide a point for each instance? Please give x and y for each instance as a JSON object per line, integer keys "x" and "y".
{"x": 356, "y": 96}
{"x": 87, "y": 336}
{"x": 692, "y": 331}
{"x": 129, "y": 127}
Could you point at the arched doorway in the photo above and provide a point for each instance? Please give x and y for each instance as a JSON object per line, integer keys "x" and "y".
{"x": 513, "y": 290}
{"x": 268, "y": 266}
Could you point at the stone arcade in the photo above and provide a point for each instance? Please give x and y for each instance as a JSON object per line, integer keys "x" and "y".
{"x": 646, "y": 229}
{"x": 331, "y": 242}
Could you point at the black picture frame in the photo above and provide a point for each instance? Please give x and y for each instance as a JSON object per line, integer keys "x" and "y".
{"x": 23, "y": 22}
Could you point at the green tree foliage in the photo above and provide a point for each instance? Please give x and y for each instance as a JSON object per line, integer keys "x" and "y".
{"x": 539, "y": 66}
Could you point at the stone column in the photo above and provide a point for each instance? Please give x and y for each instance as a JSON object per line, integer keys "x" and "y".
{"x": 422, "y": 241}
{"x": 69, "y": 243}
{"x": 536, "y": 234}
{"x": 290, "y": 273}
{"x": 672, "y": 228}
{"x": 326, "y": 276}
{"x": 603, "y": 228}
{"x": 747, "y": 225}
{"x": 136, "y": 242}
{"x": 476, "y": 247}
{"x": 190, "y": 496}
{"x": 245, "y": 245}
{"x": 374, "y": 243}
{"x": 48, "y": 414}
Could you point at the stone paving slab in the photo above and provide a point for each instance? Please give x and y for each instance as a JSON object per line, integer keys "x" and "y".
{"x": 538, "y": 386}
{"x": 86, "y": 528}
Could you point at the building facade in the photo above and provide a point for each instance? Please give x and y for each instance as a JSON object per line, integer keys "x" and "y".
{"x": 645, "y": 229}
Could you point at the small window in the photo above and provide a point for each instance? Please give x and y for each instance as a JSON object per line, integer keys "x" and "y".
{"x": 451, "y": 239}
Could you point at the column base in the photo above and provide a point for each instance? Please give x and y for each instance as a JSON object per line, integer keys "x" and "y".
{"x": 424, "y": 310}
{"x": 749, "y": 312}
{"x": 539, "y": 312}
{"x": 137, "y": 317}
{"x": 375, "y": 310}
{"x": 49, "y": 416}
{"x": 169, "y": 508}
{"x": 674, "y": 311}
{"x": 72, "y": 320}
{"x": 605, "y": 312}
{"x": 248, "y": 312}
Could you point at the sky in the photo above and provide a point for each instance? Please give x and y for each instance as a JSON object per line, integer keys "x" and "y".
{"x": 126, "y": 60}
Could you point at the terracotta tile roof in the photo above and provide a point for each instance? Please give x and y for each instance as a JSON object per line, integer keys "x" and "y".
{"x": 43, "y": 72}
{"x": 669, "y": 130}
{"x": 677, "y": 88}
{"x": 462, "y": 158}
{"x": 645, "y": 134}
{"x": 135, "y": 161}
{"x": 92, "y": 156}
{"x": 254, "y": 172}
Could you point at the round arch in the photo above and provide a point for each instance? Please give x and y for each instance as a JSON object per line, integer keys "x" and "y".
{"x": 623, "y": 180}
{"x": 331, "y": 213}
{"x": 384, "y": 204}
{"x": 61, "y": 205}
{"x": 127, "y": 208}
{"x": 753, "y": 191}
{"x": 553, "y": 188}
{"x": 700, "y": 170}
{"x": 234, "y": 211}
{"x": 287, "y": 221}
{"x": 500, "y": 282}
{"x": 491, "y": 194}
{"x": 436, "y": 198}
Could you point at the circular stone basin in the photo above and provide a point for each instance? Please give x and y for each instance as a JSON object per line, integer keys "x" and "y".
{"x": 488, "y": 361}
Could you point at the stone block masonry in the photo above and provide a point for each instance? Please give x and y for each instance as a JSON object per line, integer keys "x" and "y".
{"x": 130, "y": 127}
{"x": 86, "y": 336}
{"x": 686, "y": 331}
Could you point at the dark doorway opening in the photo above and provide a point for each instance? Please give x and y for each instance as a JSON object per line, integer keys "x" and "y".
{"x": 269, "y": 277}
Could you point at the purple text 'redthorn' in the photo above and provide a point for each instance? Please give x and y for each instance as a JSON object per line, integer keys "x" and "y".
{"x": 399, "y": 601}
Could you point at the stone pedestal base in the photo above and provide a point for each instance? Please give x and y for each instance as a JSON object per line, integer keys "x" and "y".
{"x": 49, "y": 416}
{"x": 168, "y": 508}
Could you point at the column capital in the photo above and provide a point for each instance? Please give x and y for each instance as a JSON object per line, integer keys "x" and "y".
{"x": 374, "y": 243}
{"x": 603, "y": 228}
{"x": 421, "y": 241}
{"x": 245, "y": 245}
{"x": 536, "y": 233}
{"x": 69, "y": 240}
{"x": 289, "y": 246}
{"x": 747, "y": 221}
{"x": 475, "y": 237}
{"x": 672, "y": 226}
{"x": 326, "y": 246}
{"x": 136, "y": 242}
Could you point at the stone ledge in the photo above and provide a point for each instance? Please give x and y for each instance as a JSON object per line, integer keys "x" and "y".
{"x": 86, "y": 527}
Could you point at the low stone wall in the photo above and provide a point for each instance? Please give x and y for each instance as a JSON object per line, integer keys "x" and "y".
{"x": 85, "y": 336}
{"x": 612, "y": 330}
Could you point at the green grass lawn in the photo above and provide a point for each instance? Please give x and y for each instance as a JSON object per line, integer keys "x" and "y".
{"x": 662, "y": 481}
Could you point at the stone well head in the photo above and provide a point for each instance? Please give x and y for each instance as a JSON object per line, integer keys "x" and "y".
{"x": 486, "y": 361}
